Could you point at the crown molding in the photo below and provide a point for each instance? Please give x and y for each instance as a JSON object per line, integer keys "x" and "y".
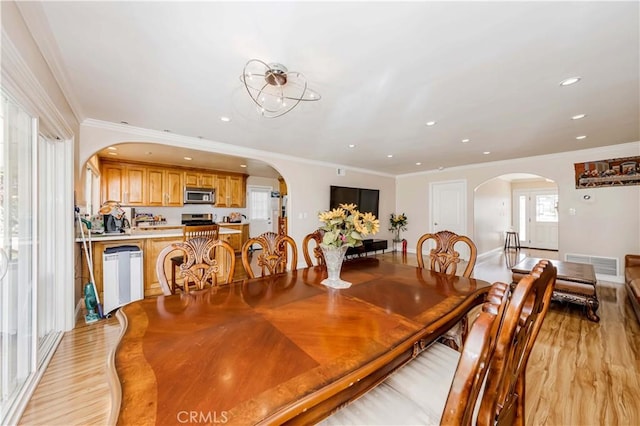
{"x": 38, "y": 25}
{"x": 22, "y": 84}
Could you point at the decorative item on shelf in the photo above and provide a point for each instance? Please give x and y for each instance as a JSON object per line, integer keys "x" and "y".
{"x": 275, "y": 89}
{"x": 397, "y": 223}
{"x": 343, "y": 227}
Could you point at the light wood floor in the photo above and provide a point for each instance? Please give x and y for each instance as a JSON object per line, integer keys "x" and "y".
{"x": 580, "y": 372}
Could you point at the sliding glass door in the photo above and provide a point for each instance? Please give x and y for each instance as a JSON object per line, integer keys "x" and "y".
{"x": 17, "y": 287}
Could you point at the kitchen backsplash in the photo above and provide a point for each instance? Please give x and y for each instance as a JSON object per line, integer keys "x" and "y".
{"x": 174, "y": 214}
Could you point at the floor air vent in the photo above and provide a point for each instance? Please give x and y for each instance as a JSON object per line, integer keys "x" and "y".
{"x": 602, "y": 265}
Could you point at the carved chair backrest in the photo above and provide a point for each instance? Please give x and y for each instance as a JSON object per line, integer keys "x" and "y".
{"x": 205, "y": 259}
{"x": 444, "y": 257}
{"x": 314, "y": 239}
{"x": 475, "y": 358}
{"x": 192, "y": 231}
{"x": 273, "y": 257}
{"x": 503, "y": 403}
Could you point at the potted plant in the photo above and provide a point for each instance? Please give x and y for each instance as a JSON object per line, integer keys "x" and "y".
{"x": 397, "y": 223}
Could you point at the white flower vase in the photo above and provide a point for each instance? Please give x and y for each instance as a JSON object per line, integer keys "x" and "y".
{"x": 333, "y": 257}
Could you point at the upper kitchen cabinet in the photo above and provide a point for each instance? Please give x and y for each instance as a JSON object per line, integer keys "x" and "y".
{"x": 165, "y": 186}
{"x": 200, "y": 180}
{"x": 231, "y": 190}
{"x": 124, "y": 183}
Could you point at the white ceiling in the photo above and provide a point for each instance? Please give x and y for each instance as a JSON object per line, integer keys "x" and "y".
{"x": 486, "y": 71}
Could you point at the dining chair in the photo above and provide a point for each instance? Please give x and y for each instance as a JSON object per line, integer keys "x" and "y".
{"x": 314, "y": 239}
{"x": 188, "y": 232}
{"x": 272, "y": 254}
{"x": 443, "y": 386}
{"x": 206, "y": 261}
{"x": 445, "y": 258}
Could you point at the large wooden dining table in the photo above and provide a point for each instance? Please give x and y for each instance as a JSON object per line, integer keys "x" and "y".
{"x": 279, "y": 349}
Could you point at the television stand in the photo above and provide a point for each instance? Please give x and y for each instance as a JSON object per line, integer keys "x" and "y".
{"x": 368, "y": 246}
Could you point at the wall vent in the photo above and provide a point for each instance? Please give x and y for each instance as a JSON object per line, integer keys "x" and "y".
{"x": 602, "y": 265}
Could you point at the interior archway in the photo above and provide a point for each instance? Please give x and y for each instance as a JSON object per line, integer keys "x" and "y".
{"x": 520, "y": 202}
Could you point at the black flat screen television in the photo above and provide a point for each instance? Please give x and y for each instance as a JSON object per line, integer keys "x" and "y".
{"x": 366, "y": 199}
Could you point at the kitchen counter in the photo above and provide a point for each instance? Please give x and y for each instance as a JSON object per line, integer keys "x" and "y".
{"x": 155, "y": 231}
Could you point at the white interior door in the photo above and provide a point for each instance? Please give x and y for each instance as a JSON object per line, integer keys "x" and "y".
{"x": 536, "y": 216}
{"x": 260, "y": 210}
{"x": 448, "y": 202}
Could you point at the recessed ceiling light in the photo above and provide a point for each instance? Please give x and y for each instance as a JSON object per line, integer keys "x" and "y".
{"x": 389, "y": 155}
{"x": 124, "y": 122}
{"x": 581, "y": 137}
{"x": 243, "y": 165}
{"x": 225, "y": 119}
{"x": 578, "y": 116}
{"x": 351, "y": 145}
{"x": 113, "y": 153}
{"x": 569, "y": 81}
{"x": 441, "y": 168}
{"x": 418, "y": 164}
{"x": 465, "y": 140}
{"x": 112, "y": 148}
{"x": 188, "y": 158}
{"x": 487, "y": 152}
{"x": 431, "y": 123}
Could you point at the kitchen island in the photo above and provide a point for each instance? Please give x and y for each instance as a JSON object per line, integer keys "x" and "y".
{"x": 151, "y": 240}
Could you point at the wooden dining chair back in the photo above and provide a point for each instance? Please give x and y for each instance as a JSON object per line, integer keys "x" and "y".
{"x": 417, "y": 392}
{"x": 207, "y": 261}
{"x": 188, "y": 232}
{"x": 311, "y": 247}
{"x": 504, "y": 403}
{"x": 444, "y": 257}
{"x": 278, "y": 252}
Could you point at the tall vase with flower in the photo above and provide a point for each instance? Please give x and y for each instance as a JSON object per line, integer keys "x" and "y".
{"x": 343, "y": 227}
{"x": 397, "y": 223}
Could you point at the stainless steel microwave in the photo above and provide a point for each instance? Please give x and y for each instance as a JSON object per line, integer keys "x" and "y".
{"x": 199, "y": 196}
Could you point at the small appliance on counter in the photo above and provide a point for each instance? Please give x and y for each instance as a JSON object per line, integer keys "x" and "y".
{"x": 114, "y": 218}
{"x": 236, "y": 217}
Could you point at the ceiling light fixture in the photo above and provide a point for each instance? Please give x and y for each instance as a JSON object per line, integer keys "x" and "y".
{"x": 352, "y": 145}
{"x": 275, "y": 89}
{"x": 581, "y": 137}
{"x": 465, "y": 140}
{"x": 418, "y": 164}
{"x": 225, "y": 119}
{"x": 578, "y": 116}
{"x": 112, "y": 148}
{"x": 243, "y": 165}
{"x": 188, "y": 158}
{"x": 487, "y": 152}
{"x": 389, "y": 155}
{"x": 431, "y": 123}
{"x": 569, "y": 81}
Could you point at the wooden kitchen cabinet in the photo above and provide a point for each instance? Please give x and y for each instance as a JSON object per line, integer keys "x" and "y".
{"x": 124, "y": 183}
{"x": 231, "y": 191}
{"x": 165, "y": 187}
{"x": 200, "y": 180}
{"x": 236, "y": 240}
{"x": 153, "y": 247}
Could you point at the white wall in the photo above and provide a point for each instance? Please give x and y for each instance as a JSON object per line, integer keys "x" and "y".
{"x": 609, "y": 225}
{"x": 492, "y": 212}
{"x": 307, "y": 182}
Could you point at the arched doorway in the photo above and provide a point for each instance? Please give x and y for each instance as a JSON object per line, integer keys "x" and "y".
{"x": 524, "y": 203}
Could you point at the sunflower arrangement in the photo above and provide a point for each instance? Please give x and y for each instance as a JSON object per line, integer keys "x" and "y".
{"x": 346, "y": 226}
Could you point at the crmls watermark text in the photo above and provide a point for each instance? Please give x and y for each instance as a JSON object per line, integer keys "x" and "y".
{"x": 207, "y": 417}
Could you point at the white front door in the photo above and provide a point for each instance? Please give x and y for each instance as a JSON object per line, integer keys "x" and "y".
{"x": 448, "y": 202}
{"x": 536, "y": 217}
{"x": 260, "y": 210}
